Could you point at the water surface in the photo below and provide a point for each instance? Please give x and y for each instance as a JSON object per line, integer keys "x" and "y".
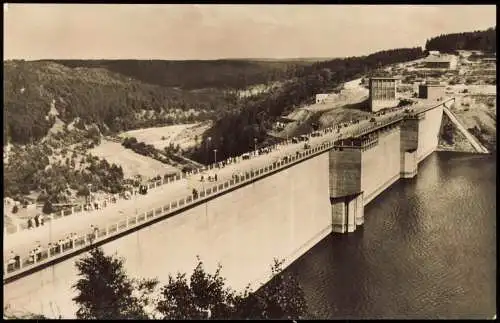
{"x": 427, "y": 249}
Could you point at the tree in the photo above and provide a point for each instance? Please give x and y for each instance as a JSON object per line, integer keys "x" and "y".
{"x": 47, "y": 207}
{"x": 205, "y": 296}
{"x": 283, "y": 295}
{"x": 15, "y": 209}
{"x": 83, "y": 191}
{"x": 105, "y": 291}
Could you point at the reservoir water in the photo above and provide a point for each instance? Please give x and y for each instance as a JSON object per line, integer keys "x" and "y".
{"x": 427, "y": 249}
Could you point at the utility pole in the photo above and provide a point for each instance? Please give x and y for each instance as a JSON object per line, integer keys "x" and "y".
{"x": 208, "y": 143}
{"x": 215, "y": 156}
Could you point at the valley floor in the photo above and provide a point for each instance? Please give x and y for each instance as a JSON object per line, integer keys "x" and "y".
{"x": 132, "y": 163}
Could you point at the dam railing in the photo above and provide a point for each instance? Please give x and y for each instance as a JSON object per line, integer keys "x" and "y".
{"x": 80, "y": 242}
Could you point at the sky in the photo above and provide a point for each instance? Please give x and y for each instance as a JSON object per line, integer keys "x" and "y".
{"x": 174, "y": 31}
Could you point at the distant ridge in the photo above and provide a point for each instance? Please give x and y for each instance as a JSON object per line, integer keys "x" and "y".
{"x": 485, "y": 40}
{"x": 199, "y": 74}
{"x": 291, "y": 59}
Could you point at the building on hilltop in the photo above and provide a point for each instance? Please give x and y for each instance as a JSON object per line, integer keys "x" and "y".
{"x": 441, "y": 62}
{"x": 383, "y": 93}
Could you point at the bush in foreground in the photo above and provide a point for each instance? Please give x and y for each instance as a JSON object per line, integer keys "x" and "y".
{"x": 106, "y": 292}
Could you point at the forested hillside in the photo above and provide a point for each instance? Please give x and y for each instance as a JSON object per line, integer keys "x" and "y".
{"x": 109, "y": 100}
{"x": 112, "y": 93}
{"x": 220, "y": 74}
{"x": 478, "y": 40}
{"x": 235, "y": 131}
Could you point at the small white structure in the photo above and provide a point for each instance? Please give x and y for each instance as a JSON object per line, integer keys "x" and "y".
{"x": 320, "y": 98}
{"x": 434, "y": 52}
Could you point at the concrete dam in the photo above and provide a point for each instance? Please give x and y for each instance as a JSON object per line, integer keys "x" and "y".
{"x": 276, "y": 209}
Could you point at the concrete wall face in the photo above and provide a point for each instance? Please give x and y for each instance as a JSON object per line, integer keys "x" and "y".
{"x": 410, "y": 165}
{"x": 280, "y": 216}
{"x": 381, "y": 164}
{"x": 360, "y": 207}
{"x": 345, "y": 172}
{"x": 409, "y": 134}
{"x": 351, "y": 215}
{"x": 428, "y": 132}
{"x": 339, "y": 215}
{"x": 347, "y": 213}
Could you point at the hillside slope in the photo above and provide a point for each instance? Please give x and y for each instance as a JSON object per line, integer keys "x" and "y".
{"x": 220, "y": 74}
{"x": 95, "y": 96}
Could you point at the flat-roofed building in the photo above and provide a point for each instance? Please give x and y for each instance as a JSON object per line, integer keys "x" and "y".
{"x": 431, "y": 91}
{"x": 383, "y": 93}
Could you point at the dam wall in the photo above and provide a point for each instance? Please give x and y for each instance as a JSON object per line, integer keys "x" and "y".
{"x": 279, "y": 216}
{"x": 428, "y": 132}
{"x": 380, "y": 164}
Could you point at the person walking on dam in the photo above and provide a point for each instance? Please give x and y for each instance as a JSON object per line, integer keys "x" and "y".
{"x": 37, "y": 220}
{"x": 11, "y": 264}
{"x": 32, "y": 256}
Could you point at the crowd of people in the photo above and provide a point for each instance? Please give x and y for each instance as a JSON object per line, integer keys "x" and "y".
{"x": 37, "y": 253}
{"x": 91, "y": 205}
{"x": 35, "y": 221}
